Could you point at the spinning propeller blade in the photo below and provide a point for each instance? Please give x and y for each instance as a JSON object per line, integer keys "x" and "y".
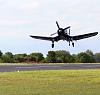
{"x": 67, "y": 28}
{"x": 58, "y": 29}
{"x": 53, "y": 34}
{"x": 57, "y": 25}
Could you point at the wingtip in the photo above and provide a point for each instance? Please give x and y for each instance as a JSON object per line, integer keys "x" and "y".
{"x": 96, "y": 33}
{"x": 30, "y": 35}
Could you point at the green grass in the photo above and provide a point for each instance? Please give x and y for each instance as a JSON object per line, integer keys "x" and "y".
{"x": 56, "y": 82}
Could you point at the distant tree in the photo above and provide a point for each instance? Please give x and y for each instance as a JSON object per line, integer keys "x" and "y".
{"x": 83, "y": 57}
{"x": 63, "y": 56}
{"x": 89, "y": 52}
{"x": 91, "y": 55}
{"x": 97, "y": 57}
{"x": 20, "y": 58}
{"x": 1, "y": 54}
{"x": 73, "y": 58}
{"x": 36, "y": 57}
{"x": 51, "y": 57}
{"x": 60, "y": 56}
{"x": 7, "y": 57}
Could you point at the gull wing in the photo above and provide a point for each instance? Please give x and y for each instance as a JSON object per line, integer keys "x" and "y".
{"x": 43, "y": 38}
{"x": 79, "y": 37}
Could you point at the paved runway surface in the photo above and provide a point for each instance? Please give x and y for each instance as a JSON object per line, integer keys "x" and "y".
{"x": 13, "y": 68}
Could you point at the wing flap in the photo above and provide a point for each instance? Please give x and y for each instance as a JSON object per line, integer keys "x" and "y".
{"x": 79, "y": 37}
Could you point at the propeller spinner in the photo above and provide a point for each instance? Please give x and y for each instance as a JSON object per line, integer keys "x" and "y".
{"x": 61, "y": 29}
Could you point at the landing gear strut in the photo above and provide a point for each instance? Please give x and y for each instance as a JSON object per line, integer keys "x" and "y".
{"x": 69, "y": 43}
{"x": 52, "y": 44}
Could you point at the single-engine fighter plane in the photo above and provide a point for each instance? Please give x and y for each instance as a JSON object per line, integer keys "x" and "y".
{"x": 64, "y": 34}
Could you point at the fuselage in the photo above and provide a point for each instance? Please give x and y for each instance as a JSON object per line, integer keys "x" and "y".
{"x": 63, "y": 35}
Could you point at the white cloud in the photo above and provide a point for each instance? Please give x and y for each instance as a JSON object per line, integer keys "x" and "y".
{"x": 17, "y": 4}
{"x": 30, "y": 6}
{"x": 17, "y": 12}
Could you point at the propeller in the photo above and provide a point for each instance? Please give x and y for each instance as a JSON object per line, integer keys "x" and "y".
{"x": 61, "y": 29}
{"x": 67, "y": 28}
{"x": 53, "y": 34}
{"x": 57, "y": 25}
{"x": 58, "y": 29}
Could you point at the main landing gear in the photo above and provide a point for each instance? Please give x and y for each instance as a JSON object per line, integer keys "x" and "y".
{"x": 72, "y": 44}
{"x": 52, "y": 44}
{"x": 69, "y": 43}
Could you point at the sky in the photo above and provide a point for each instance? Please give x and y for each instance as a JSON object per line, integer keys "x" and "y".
{"x": 21, "y": 18}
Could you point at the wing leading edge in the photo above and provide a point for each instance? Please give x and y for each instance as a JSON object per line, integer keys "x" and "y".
{"x": 79, "y": 37}
{"x": 43, "y": 38}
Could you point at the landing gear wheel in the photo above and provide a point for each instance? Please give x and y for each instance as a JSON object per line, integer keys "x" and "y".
{"x": 73, "y": 44}
{"x": 69, "y": 43}
{"x": 53, "y": 45}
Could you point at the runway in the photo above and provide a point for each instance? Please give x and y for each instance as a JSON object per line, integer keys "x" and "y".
{"x": 14, "y": 68}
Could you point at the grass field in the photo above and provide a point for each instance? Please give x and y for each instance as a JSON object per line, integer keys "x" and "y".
{"x": 56, "y": 82}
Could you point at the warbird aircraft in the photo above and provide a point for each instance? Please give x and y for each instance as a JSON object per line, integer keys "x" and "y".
{"x": 64, "y": 34}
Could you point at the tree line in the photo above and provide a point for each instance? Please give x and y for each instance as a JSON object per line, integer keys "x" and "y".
{"x": 60, "y": 56}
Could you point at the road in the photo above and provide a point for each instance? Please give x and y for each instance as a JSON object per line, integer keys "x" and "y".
{"x": 13, "y": 68}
